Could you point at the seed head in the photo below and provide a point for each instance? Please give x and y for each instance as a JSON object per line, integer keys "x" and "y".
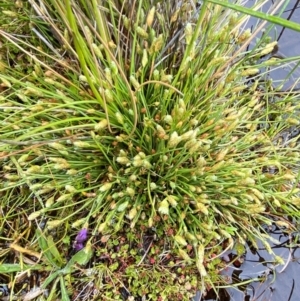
{"x": 188, "y": 33}
{"x": 114, "y": 68}
{"x": 64, "y": 197}
{"x": 122, "y": 206}
{"x": 141, "y": 32}
{"x": 81, "y": 144}
{"x": 11, "y": 177}
{"x": 246, "y": 182}
{"x": 134, "y": 82}
{"x": 130, "y": 191}
{"x": 190, "y": 236}
{"x": 49, "y": 202}
{"x": 150, "y": 17}
{"x": 120, "y": 118}
{"x": 70, "y": 188}
{"x": 174, "y": 140}
{"x": 163, "y": 207}
{"x": 195, "y": 148}
{"x": 33, "y": 169}
{"x": 147, "y": 164}
{"x": 97, "y": 51}
{"x": 178, "y": 238}
{"x": 156, "y": 46}
{"x": 145, "y": 58}
{"x": 101, "y": 125}
{"x": 78, "y": 222}
{"x": 132, "y": 213}
{"x": 54, "y": 224}
{"x": 250, "y": 71}
{"x": 168, "y": 119}
{"x": 23, "y": 158}
{"x": 172, "y": 200}
{"x": 184, "y": 255}
{"x": 153, "y": 186}
{"x": 123, "y": 160}
{"x": 102, "y": 227}
{"x": 35, "y": 214}
{"x": 161, "y": 133}
{"x": 72, "y": 172}
{"x": 137, "y": 161}
{"x": 187, "y": 135}
{"x": 202, "y": 208}
{"x": 105, "y": 187}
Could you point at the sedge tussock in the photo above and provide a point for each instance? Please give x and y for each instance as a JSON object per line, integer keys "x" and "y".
{"x": 140, "y": 118}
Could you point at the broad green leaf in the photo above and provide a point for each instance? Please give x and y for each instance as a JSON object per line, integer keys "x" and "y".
{"x": 49, "y": 249}
{"x": 54, "y": 251}
{"x": 50, "y": 278}
{"x": 11, "y": 268}
{"x": 82, "y": 257}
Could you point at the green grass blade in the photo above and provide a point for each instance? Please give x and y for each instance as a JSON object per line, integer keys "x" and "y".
{"x": 264, "y": 16}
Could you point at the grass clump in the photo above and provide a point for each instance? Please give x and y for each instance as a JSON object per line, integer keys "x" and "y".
{"x": 149, "y": 132}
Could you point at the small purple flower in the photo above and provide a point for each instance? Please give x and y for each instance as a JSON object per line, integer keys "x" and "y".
{"x": 82, "y": 235}
{"x": 80, "y": 239}
{"x": 78, "y": 246}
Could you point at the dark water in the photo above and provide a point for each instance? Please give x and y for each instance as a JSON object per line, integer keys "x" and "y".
{"x": 276, "y": 281}
{"x": 273, "y": 280}
{"x": 288, "y": 42}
